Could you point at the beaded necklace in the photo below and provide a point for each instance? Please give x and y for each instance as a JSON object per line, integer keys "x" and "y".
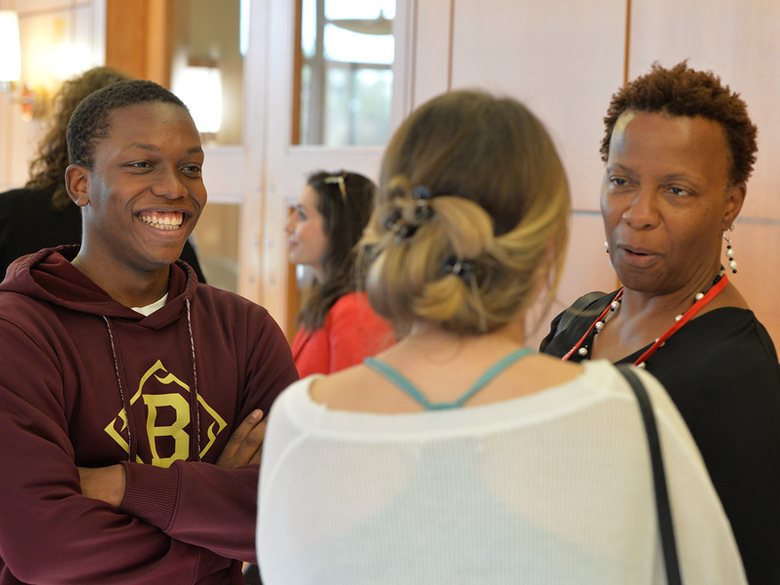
{"x": 700, "y": 300}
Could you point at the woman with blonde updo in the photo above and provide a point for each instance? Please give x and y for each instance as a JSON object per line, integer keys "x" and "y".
{"x": 459, "y": 455}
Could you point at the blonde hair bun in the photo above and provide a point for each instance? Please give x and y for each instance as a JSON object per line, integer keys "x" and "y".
{"x": 472, "y": 198}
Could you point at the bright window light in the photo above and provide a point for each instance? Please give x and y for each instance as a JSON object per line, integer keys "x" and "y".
{"x": 10, "y": 48}
{"x": 200, "y": 88}
{"x": 243, "y": 39}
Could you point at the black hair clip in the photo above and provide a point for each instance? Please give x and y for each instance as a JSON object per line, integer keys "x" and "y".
{"x": 420, "y": 192}
{"x": 395, "y": 223}
{"x": 422, "y": 208}
{"x": 392, "y": 219}
{"x": 404, "y": 230}
{"x": 463, "y": 269}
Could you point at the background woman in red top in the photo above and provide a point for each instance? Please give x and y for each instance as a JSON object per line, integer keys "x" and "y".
{"x": 337, "y": 328}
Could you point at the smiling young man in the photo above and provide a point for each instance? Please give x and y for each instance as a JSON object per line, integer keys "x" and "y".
{"x": 131, "y": 394}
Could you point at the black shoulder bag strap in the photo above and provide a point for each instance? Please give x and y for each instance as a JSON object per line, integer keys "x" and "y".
{"x": 665, "y": 524}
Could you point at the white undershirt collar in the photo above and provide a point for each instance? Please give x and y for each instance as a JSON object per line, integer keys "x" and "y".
{"x": 149, "y": 309}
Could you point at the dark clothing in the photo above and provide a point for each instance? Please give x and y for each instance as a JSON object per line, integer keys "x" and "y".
{"x": 722, "y": 373}
{"x": 29, "y": 222}
{"x": 86, "y": 381}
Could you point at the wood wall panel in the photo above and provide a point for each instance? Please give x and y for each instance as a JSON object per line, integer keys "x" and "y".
{"x": 431, "y": 44}
{"x": 756, "y": 246}
{"x": 138, "y": 38}
{"x": 555, "y": 57}
{"x": 737, "y": 41}
{"x": 126, "y": 36}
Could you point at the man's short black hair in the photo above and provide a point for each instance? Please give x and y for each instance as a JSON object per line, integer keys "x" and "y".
{"x": 91, "y": 121}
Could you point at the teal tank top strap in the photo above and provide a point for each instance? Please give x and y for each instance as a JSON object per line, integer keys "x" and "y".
{"x": 404, "y": 384}
{"x": 492, "y": 372}
{"x": 398, "y": 379}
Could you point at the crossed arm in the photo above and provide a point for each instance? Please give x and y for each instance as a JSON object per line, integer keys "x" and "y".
{"x": 243, "y": 448}
{"x": 62, "y": 524}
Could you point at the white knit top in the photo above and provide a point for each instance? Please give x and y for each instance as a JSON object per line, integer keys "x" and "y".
{"x": 551, "y": 488}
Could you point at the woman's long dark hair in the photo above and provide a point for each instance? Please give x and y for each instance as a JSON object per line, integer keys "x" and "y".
{"x": 345, "y": 200}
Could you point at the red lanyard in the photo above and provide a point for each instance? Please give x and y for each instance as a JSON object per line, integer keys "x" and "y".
{"x": 679, "y": 322}
{"x": 599, "y": 318}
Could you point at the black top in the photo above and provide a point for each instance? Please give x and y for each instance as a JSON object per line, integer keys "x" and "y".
{"x": 29, "y": 222}
{"x": 721, "y": 371}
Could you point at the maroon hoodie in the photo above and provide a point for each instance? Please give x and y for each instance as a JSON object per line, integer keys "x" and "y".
{"x": 86, "y": 381}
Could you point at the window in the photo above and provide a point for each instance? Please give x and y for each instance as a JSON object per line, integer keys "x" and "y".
{"x": 345, "y": 77}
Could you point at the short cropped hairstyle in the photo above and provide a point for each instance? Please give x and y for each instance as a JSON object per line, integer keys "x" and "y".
{"x": 345, "y": 200}
{"x": 91, "y": 121}
{"x": 471, "y": 216}
{"x": 682, "y": 91}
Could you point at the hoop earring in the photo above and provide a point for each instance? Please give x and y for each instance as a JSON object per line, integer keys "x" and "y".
{"x": 729, "y": 249}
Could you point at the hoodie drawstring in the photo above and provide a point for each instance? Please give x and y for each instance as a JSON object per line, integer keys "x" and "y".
{"x": 194, "y": 390}
{"x": 132, "y": 441}
{"x": 132, "y": 444}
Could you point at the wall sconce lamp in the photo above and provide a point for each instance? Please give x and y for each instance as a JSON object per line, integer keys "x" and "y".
{"x": 11, "y": 67}
{"x": 199, "y": 85}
